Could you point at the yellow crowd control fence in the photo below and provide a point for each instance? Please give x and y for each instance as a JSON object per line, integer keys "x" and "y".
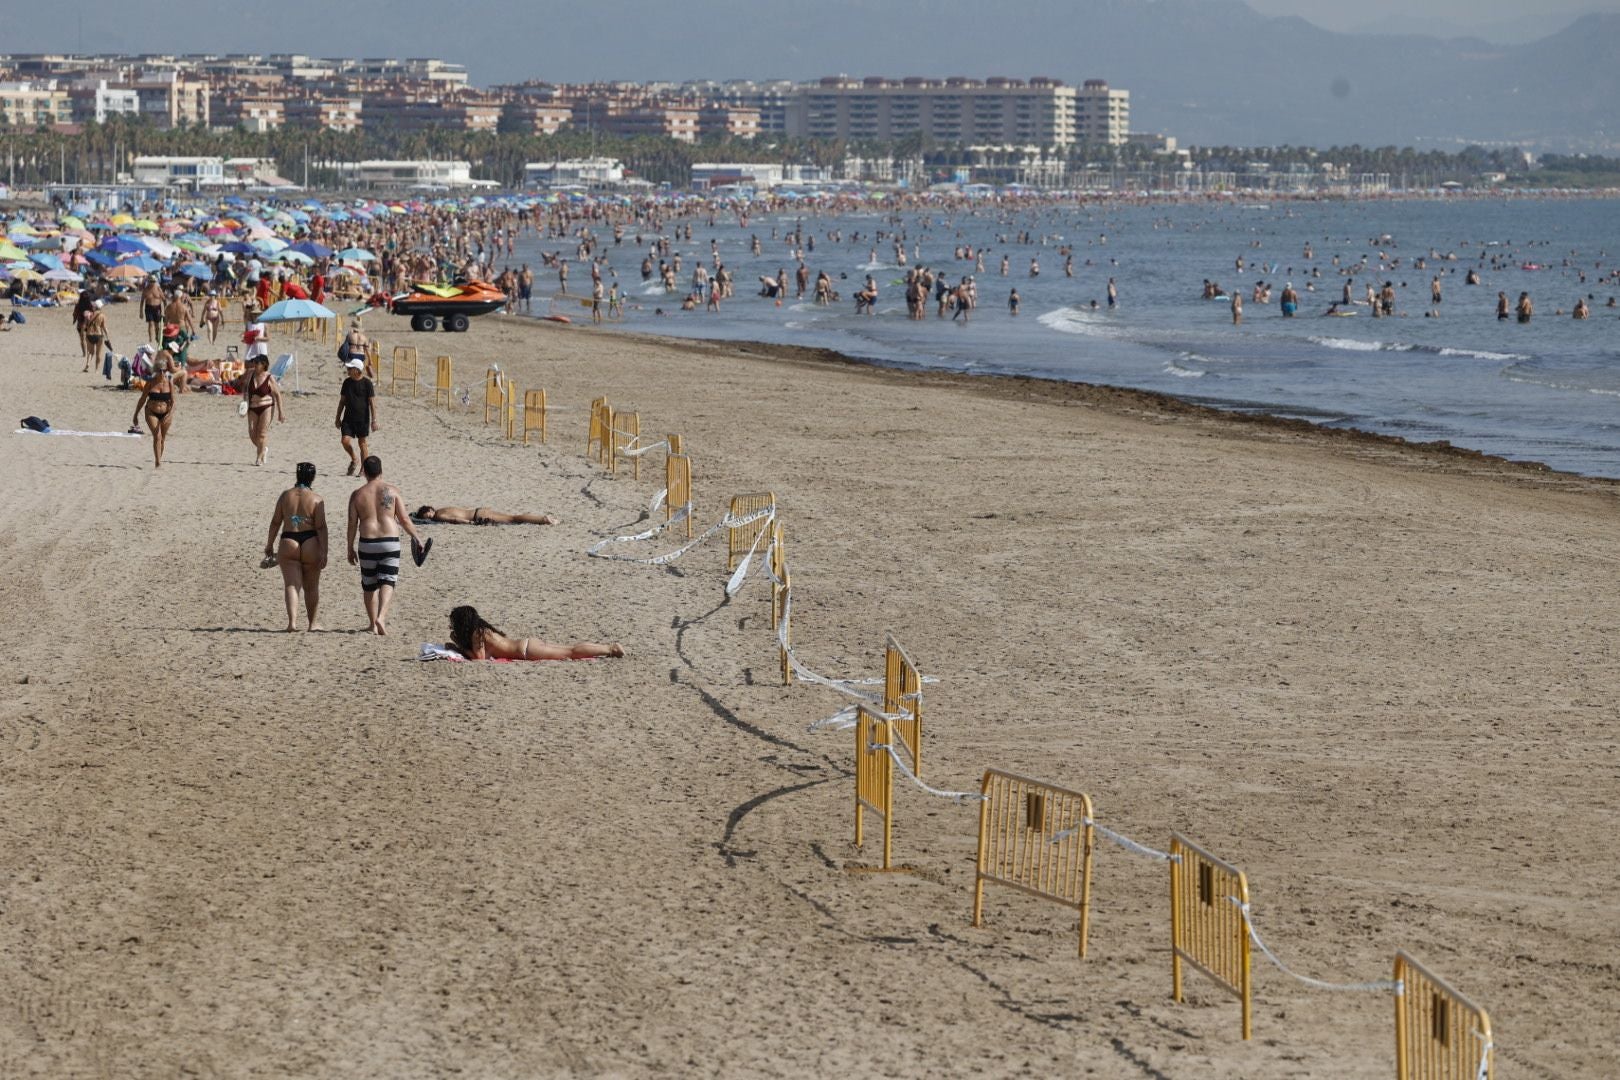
{"x": 441, "y": 382}
{"x": 373, "y": 361}
{"x": 601, "y": 422}
{"x": 874, "y": 780}
{"x": 624, "y": 436}
{"x": 779, "y": 605}
{"x": 1036, "y": 838}
{"x": 1439, "y": 1034}
{"x": 1207, "y": 931}
{"x": 677, "y": 445}
{"x": 405, "y": 368}
{"x": 494, "y": 392}
{"x": 534, "y": 415}
{"x": 740, "y": 539}
{"x": 678, "y": 487}
{"x": 902, "y": 696}
{"x": 509, "y": 409}
{"x": 778, "y": 553}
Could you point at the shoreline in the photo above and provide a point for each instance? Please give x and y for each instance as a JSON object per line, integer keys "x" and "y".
{"x": 1142, "y": 404}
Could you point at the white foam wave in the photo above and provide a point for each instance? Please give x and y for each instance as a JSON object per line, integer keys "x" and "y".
{"x": 1173, "y": 368}
{"x": 1357, "y": 345}
{"x": 1481, "y": 354}
{"x": 1068, "y": 320}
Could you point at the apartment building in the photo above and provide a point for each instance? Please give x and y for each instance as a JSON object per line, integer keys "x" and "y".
{"x": 95, "y": 100}
{"x": 253, "y": 111}
{"x": 29, "y": 105}
{"x": 1102, "y": 115}
{"x": 406, "y": 111}
{"x": 954, "y": 110}
{"x": 330, "y": 113}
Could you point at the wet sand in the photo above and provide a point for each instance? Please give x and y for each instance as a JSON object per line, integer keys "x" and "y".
{"x": 1377, "y": 677}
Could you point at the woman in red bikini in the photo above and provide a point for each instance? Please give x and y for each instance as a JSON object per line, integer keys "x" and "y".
{"x": 262, "y": 394}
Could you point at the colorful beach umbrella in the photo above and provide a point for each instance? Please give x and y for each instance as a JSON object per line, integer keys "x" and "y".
{"x": 295, "y": 310}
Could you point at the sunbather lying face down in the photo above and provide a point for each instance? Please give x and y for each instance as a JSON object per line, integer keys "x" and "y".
{"x": 475, "y": 639}
{"x": 481, "y": 515}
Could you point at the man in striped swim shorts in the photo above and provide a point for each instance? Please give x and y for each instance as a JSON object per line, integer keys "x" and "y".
{"x": 376, "y": 516}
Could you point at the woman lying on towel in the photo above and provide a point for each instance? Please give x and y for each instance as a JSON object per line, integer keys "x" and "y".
{"x": 482, "y": 515}
{"x": 475, "y": 639}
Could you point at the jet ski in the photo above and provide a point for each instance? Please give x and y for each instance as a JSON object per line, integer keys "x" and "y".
{"x": 429, "y": 306}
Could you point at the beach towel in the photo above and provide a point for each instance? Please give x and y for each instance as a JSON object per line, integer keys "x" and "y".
{"x": 81, "y": 434}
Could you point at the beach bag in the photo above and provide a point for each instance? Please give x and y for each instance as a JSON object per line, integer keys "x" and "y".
{"x": 343, "y": 351}
{"x": 35, "y": 423}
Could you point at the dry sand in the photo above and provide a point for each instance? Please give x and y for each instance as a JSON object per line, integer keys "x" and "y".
{"x": 1380, "y": 679}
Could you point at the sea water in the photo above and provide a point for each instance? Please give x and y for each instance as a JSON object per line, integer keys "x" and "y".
{"x": 1545, "y": 391}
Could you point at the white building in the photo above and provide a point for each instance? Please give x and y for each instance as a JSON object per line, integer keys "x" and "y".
{"x": 1102, "y": 117}
{"x": 410, "y": 174}
{"x": 575, "y": 172}
{"x": 192, "y": 173}
{"x": 95, "y": 100}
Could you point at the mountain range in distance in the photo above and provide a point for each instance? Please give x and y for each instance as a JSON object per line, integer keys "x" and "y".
{"x": 1210, "y": 72}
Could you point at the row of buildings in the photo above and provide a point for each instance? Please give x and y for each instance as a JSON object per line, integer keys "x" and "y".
{"x": 268, "y": 92}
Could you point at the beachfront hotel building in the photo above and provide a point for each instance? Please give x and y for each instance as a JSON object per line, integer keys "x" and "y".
{"x": 958, "y": 111}
{"x": 1102, "y": 115}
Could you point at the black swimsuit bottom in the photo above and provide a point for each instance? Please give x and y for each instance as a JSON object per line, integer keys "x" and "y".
{"x": 300, "y": 536}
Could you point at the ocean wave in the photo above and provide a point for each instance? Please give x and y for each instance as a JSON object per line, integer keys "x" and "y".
{"x": 1481, "y": 354}
{"x": 1173, "y": 368}
{"x": 1068, "y": 320}
{"x": 1357, "y": 345}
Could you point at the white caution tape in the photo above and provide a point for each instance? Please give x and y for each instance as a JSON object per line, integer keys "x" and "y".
{"x": 597, "y": 549}
{"x": 1484, "y": 1061}
{"x": 1119, "y": 838}
{"x": 1377, "y": 985}
{"x": 658, "y": 500}
{"x": 958, "y": 797}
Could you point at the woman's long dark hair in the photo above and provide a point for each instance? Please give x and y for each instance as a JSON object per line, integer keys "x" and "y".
{"x": 465, "y": 626}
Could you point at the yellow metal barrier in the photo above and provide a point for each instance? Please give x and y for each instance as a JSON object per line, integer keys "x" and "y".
{"x": 405, "y": 365}
{"x": 494, "y": 392}
{"x": 874, "y": 779}
{"x": 373, "y": 361}
{"x": 778, "y": 553}
{"x": 1439, "y": 1034}
{"x": 601, "y": 422}
{"x": 678, "y": 488}
{"x": 442, "y": 382}
{"x": 534, "y": 415}
{"x": 626, "y": 432}
{"x": 740, "y": 540}
{"x": 779, "y": 605}
{"x": 1020, "y": 825}
{"x": 509, "y": 409}
{"x": 902, "y": 694}
{"x": 1207, "y": 929}
{"x": 676, "y": 444}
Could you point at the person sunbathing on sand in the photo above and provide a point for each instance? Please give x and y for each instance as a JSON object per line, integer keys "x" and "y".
{"x": 482, "y": 515}
{"x": 475, "y": 639}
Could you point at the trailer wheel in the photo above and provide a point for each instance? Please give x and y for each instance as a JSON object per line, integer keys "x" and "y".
{"x": 456, "y": 324}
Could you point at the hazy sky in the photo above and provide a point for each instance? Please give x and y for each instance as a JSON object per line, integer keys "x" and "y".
{"x": 503, "y": 40}
{"x": 1468, "y": 16}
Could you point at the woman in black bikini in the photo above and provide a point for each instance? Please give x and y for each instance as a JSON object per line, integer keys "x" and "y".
{"x": 157, "y": 399}
{"x": 300, "y": 518}
{"x": 262, "y": 395}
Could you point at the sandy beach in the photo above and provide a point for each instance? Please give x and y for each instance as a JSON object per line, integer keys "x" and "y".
{"x": 1379, "y": 678}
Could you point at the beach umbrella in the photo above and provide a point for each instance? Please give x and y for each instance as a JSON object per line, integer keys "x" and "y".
{"x": 122, "y": 245}
{"x": 144, "y": 263}
{"x": 11, "y": 251}
{"x": 198, "y": 270}
{"x": 356, "y": 255}
{"x": 312, "y": 249}
{"x": 47, "y": 262}
{"x": 291, "y": 256}
{"x": 27, "y": 274}
{"x": 125, "y": 272}
{"x": 119, "y": 220}
{"x": 61, "y": 275}
{"x": 296, "y": 310}
{"x": 161, "y": 248}
{"x": 100, "y": 258}
{"x": 237, "y": 247}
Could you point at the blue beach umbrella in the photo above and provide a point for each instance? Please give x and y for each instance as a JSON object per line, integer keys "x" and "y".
{"x": 312, "y": 249}
{"x": 294, "y": 310}
{"x": 198, "y": 270}
{"x": 356, "y": 255}
{"x": 122, "y": 245}
{"x": 144, "y": 262}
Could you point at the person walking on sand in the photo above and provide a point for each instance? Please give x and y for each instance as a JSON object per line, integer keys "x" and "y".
{"x": 376, "y": 516}
{"x": 300, "y": 517}
{"x": 93, "y": 329}
{"x": 259, "y": 386}
{"x": 157, "y": 400}
{"x": 356, "y": 411}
